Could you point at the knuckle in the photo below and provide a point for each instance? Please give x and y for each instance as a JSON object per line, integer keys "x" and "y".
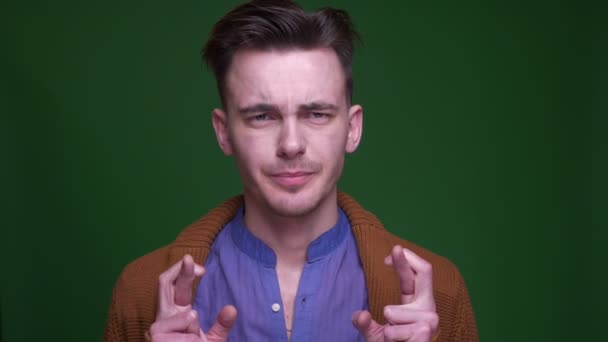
{"x": 387, "y": 311}
{"x": 154, "y": 329}
{"x": 434, "y": 319}
{"x": 426, "y": 267}
{"x": 163, "y": 279}
{"x": 389, "y": 334}
{"x": 425, "y": 329}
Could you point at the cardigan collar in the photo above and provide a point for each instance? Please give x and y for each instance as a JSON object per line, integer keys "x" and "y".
{"x": 369, "y": 233}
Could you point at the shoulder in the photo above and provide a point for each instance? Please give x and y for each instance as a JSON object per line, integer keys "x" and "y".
{"x": 133, "y": 306}
{"x": 148, "y": 266}
{"x": 447, "y": 279}
{"x": 138, "y": 283}
{"x": 456, "y": 317}
{"x": 374, "y": 243}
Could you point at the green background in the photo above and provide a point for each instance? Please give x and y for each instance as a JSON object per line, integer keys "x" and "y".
{"x": 484, "y": 123}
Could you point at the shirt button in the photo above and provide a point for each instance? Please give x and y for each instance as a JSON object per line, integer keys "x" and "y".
{"x": 276, "y": 307}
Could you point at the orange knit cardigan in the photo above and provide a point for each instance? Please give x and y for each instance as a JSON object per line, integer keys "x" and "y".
{"x": 134, "y": 299}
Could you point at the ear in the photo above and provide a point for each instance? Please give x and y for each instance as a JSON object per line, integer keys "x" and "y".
{"x": 220, "y": 125}
{"x": 355, "y": 128}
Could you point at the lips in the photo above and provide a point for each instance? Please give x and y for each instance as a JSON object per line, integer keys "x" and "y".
{"x": 292, "y": 179}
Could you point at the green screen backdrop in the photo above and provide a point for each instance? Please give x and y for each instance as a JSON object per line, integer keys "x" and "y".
{"x": 481, "y": 120}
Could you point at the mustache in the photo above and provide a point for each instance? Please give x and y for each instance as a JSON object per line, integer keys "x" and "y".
{"x": 293, "y": 166}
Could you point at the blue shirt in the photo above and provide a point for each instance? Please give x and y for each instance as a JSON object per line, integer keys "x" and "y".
{"x": 241, "y": 270}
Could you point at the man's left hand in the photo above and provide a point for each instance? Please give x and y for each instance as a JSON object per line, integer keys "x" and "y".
{"x": 415, "y": 320}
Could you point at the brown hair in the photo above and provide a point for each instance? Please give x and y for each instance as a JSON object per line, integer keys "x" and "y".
{"x": 279, "y": 24}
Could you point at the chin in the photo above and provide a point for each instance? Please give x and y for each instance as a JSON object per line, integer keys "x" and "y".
{"x": 295, "y": 203}
{"x": 290, "y": 204}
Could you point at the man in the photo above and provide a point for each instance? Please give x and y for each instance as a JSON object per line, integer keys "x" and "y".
{"x": 293, "y": 258}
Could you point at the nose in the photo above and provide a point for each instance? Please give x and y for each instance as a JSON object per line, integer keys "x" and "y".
{"x": 292, "y": 142}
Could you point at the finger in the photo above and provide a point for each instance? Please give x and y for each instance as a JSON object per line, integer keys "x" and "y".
{"x": 176, "y": 337}
{"x": 194, "y": 327}
{"x": 176, "y": 323}
{"x": 417, "y": 332}
{"x": 166, "y": 288}
{"x": 368, "y": 328}
{"x": 404, "y": 314}
{"x": 185, "y": 279}
{"x": 404, "y": 272}
{"x": 221, "y": 328}
{"x": 424, "y": 274}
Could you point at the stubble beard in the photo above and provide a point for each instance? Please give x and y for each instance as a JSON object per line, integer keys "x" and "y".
{"x": 302, "y": 202}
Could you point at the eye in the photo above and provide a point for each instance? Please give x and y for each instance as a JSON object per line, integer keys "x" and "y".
{"x": 317, "y": 117}
{"x": 260, "y": 120}
{"x": 261, "y": 117}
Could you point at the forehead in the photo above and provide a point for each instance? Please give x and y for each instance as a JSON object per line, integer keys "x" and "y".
{"x": 285, "y": 77}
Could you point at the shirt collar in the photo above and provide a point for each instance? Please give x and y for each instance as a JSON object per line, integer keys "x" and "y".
{"x": 258, "y": 250}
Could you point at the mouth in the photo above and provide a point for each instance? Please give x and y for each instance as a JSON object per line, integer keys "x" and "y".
{"x": 292, "y": 179}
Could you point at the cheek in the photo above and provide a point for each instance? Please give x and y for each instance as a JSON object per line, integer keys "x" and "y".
{"x": 251, "y": 149}
{"x": 331, "y": 147}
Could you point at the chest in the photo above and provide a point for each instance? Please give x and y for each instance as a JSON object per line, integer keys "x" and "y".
{"x": 289, "y": 279}
{"x": 316, "y": 304}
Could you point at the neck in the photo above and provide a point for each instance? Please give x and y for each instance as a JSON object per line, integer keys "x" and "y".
{"x": 290, "y": 236}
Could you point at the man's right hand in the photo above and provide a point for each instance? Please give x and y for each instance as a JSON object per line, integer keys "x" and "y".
{"x": 175, "y": 319}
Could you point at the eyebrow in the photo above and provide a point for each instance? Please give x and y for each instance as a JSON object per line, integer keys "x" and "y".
{"x": 267, "y": 107}
{"x": 318, "y": 106}
{"x": 258, "y": 108}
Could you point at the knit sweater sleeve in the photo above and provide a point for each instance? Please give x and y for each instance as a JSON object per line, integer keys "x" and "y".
{"x": 456, "y": 317}
{"x": 114, "y": 330}
{"x": 133, "y": 305}
{"x": 134, "y": 299}
{"x": 466, "y": 328}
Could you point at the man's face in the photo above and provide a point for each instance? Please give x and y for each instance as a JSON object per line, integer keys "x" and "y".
{"x": 288, "y": 124}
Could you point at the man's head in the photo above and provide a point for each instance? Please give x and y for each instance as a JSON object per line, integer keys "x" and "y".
{"x": 284, "y": 78}
{"x": 279, "y": 25}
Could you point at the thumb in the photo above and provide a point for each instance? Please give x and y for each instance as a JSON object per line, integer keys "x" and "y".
{"x": 221, "y": 328}
{"x": 370, "y": 329}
